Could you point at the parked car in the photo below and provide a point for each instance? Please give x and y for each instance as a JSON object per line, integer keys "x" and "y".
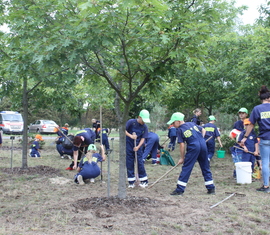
{"x": 11, "y": 122}
{"x": 42, "y": 127}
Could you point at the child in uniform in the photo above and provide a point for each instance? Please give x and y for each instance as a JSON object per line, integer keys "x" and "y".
{"x": 35, "y": 148}
{"x": 136, "y": 131}
{"x": 172, "y": 135}
{"x": 251, "y": 145}
{"x": 88, "y": 167}
{"x": 195, "y": 150}
{"x": 211, "y": 130}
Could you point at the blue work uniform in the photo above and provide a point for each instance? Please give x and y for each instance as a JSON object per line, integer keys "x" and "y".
{"x": 141, "y": 131}
{"x": 89, "y": 138}
{"x": 196, "y": 120}
{"x": 89, "y": 170}
{"x": 34, "y": 149}
{"x": 172, "y": 134}
{"x": 62, "y": 132}
{"x": 105, "y": 140}
{"x": 236, "y": 152}
{"x": 151, "y": 146}
{"x": 196, "y": 151}
{"x": 62, "y": 150}
{"x": 261, "y": 115}
{"x": 250, "y": 144}
{"x": 211, "y": 130}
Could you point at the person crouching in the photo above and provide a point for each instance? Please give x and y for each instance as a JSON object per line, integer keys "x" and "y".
{"x": 88, "y": 167}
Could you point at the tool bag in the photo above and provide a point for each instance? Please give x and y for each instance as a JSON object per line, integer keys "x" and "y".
{"x": 165, "y": 158}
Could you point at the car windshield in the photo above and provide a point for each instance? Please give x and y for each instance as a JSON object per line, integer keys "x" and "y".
{"x": 12, "y": 117}
{"x": 49, "y": 122}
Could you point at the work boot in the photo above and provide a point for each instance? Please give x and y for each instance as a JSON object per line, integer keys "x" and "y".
{"x": 211, "y": 191}
{"x": 177, "y": 193}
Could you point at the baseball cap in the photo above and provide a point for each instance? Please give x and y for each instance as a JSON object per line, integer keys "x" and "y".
{"x": 176, "y": 117}
{"x": 212, "y": 118}
{"x": 243, "y": 110}
{"x": 92, "y": 147}
{"x": 39, "y": 137}
{"x": 247, "y": 122}
{"x": 144, "y": 114}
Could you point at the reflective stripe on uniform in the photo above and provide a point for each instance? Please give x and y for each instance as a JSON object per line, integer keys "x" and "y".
{"x": 132, "y": 179}
{"x": 143, "y": 178}
{"x": 182, "y": 183}
{"x": 209, "y": 182}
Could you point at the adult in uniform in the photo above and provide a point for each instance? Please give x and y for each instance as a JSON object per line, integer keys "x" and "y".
{"x": 82, "y": 140}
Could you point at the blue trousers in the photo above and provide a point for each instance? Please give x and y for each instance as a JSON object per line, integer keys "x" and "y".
{"x": 211, "y": 148}
{"x": 195, "y": 154}
{"x": 130, "y": 160}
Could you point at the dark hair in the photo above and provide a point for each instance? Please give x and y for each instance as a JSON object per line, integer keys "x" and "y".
{"x": 264, "y": 93}
{"x": 77, "y": 140}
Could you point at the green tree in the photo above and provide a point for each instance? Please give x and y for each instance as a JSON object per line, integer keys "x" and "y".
{"x": 131, "y": 45}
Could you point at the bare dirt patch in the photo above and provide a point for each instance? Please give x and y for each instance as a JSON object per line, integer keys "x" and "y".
{"x": 43, "y": 199}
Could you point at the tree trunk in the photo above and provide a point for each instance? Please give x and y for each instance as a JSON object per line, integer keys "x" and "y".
{"x": 122, "y": 119}
{"x": 25, "y": 127}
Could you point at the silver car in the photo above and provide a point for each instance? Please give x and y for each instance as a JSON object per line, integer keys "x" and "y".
{"x": 42, "y": 127}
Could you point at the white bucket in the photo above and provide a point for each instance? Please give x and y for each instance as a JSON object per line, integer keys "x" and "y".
{"x": 243, "y": 172}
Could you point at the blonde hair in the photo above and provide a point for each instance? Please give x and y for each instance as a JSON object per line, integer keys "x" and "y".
{"x": 89, "y": 155}
{"x": 196, "y": 110}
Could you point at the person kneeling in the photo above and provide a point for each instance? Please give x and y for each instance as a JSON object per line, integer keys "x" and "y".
{"x": 88, "y": 167}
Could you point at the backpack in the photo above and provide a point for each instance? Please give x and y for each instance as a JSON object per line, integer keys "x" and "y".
{"x": 165, "y": 158}
{"x": 68, "y": 142}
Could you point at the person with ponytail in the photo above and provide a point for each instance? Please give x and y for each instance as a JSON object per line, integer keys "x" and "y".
{"x": 261, "y": 115}
{"x": 196, "y": 117}
{"x": 88, "y": 167}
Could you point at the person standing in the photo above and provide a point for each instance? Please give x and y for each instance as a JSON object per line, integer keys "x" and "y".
{"x": 239, "y": 125}
{"x": 196, "y": 150}
{"x": 211, "y": 131}
{"x": 261, "y": 115}
{"x": 251, "y": 146}
{"x": 196, "y": 118}
{"x": 172, "y": 135}
{"x": 136, "y": 131}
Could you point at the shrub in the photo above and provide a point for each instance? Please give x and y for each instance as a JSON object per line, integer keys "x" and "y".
{"x": 227, "y": 142}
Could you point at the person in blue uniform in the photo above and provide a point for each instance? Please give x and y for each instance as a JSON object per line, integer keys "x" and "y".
{"x": 105, "y": 139}
{"x": 35, "y": 148}
{"x": 151, "y": 147}
{"x": 195, "y": 150}
{"x": 211, "y": 131}
{"x": 196, "y": 117}
{"x": 261, "y": 115}
{"x": 88, "y": 167}
{"x": 136, "y": 131}
{"x": 82, "y": 140}
{"x": 172, "y": 134}
{"x": 238, "y": 125}
{"x": 251, "y": 146}
{"x": 96, "y": 128}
